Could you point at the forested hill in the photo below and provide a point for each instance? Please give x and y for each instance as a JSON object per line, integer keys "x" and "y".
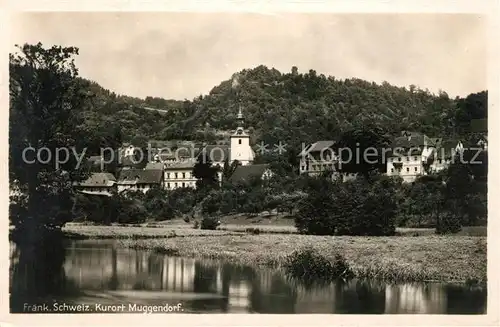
{"x": 291, "y": 107}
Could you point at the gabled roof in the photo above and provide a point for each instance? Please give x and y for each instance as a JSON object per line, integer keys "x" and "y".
{"x": 154, "y": 166}
{"x": 99, "y": 180}
{"x": 188, "y": 164}
{"x": 140, "y": 176}
{"x": 245, "y": 173}
{"x": 411, "y": 140}
{"x": 216, "y": 153}
{"x": 317, "y": 147}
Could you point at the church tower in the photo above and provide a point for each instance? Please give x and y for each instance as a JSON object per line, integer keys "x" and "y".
{"x": 240, "y": 144}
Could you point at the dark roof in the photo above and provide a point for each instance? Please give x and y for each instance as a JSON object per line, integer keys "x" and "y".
{"x": 414, "y": 140}
{"x": 154, "y": 166}
{"x": 140, "y": 176}
{"x": 188, "y": 164}
{"x": 99, "y": 179}
{"x": 317, "y": 147}
{"x": 216, "y": 153}
{"x": 245, "y": 173}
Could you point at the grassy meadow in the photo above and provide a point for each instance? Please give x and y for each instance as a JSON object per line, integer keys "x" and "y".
{"x": 413, "y": 255}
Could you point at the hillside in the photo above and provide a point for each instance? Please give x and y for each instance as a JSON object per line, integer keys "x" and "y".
{"x": 289, "y": 107}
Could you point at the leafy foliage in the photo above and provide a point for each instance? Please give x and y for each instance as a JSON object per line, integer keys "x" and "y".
{"x": 308, "y": 266}
{"x": 45, "y": 99}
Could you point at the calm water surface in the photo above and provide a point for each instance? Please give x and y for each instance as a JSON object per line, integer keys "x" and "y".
{"x": 101, "y": 272}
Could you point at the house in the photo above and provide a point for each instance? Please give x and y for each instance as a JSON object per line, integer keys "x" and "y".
{"x": 409, "y": 154}
{"x": 179, "y": 174}
{"x": 246, "y": 173}
{"x": 139, "y": 179}
{"x": 98, "y": 184}
{"x": 240, "y": 144}
{"x": 317, "y": 158}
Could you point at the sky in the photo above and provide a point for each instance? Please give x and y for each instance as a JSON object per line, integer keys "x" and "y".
{"x": 183, "y": 55}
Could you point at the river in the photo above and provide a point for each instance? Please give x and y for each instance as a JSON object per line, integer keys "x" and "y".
{"x": 100, "y": 274}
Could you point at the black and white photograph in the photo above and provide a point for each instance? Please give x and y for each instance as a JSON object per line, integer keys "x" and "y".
{"x": 248, "y": 163}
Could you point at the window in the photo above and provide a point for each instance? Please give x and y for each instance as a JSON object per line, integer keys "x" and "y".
{"x": 416, "y": 168}
{"x": 183, "y": 176}
{"x": 407, "y": 169}
{"x": 416, "y": 158}
{"x": 183, "y": 184}
{"x": 175, "y": 176}
{"x": 439, "y": 160}
{"x": 175, "y": 184}
{"x": 239, "y": 141}
{"x": 392, "y": 170}
{"x": 168, "y": 175}
{"x": 407, "y": 158}
{"x": 168, "y": 185}
{"x": 399, "y": 159}
{"x": 303, "y": 168}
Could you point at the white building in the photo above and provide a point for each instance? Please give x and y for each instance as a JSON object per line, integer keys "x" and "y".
{"x": 409, "y": 155}
{"x": 415, "y": 154}
{"x": 240, "y": 144}
{"x": 180, "y": 174}
{"x": 317, "y": 158}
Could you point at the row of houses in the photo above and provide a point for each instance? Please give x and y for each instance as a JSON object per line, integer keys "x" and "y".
{"x": 172, "y": 165}
{"x": 410, "y": 155}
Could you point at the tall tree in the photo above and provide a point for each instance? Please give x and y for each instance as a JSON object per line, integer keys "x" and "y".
{"x": 206, "y": 173}
{"x": 46, "y": 100}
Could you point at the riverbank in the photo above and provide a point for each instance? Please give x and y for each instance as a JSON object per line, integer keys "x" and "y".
{"x": 398, "y": 259}
{"x": 454, "y": 258}
{"x": 179, "y": 228}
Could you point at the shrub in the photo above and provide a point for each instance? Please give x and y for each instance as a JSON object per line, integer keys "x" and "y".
{"x": 308, "y": 266}
{"x": 252, "y": 230}
{"x": 448, "y": 224}
{"x": 196, "y": 224}
{"x": 314, "y": 214}
{"x": 209, "y": 223}
{"x": 358, "y": 207}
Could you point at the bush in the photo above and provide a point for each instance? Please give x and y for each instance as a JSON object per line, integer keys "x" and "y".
{"x": 314, "y": 214}
{"x": 308, "y": 266}
{"x": 196, "y": 224}
{"x": 209, "y": 223}
{"x": 358, "y": 207}
{"x": 448, "y": 224}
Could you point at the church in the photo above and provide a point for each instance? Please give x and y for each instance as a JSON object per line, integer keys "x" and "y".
{"x": 240, "y": 148}
{"x": 180, "y": 172}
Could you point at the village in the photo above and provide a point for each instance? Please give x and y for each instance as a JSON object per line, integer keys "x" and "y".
{"x": 411, "y": 155}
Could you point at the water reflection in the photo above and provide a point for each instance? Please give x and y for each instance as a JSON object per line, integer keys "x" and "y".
{"x": 99, "y": 268}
